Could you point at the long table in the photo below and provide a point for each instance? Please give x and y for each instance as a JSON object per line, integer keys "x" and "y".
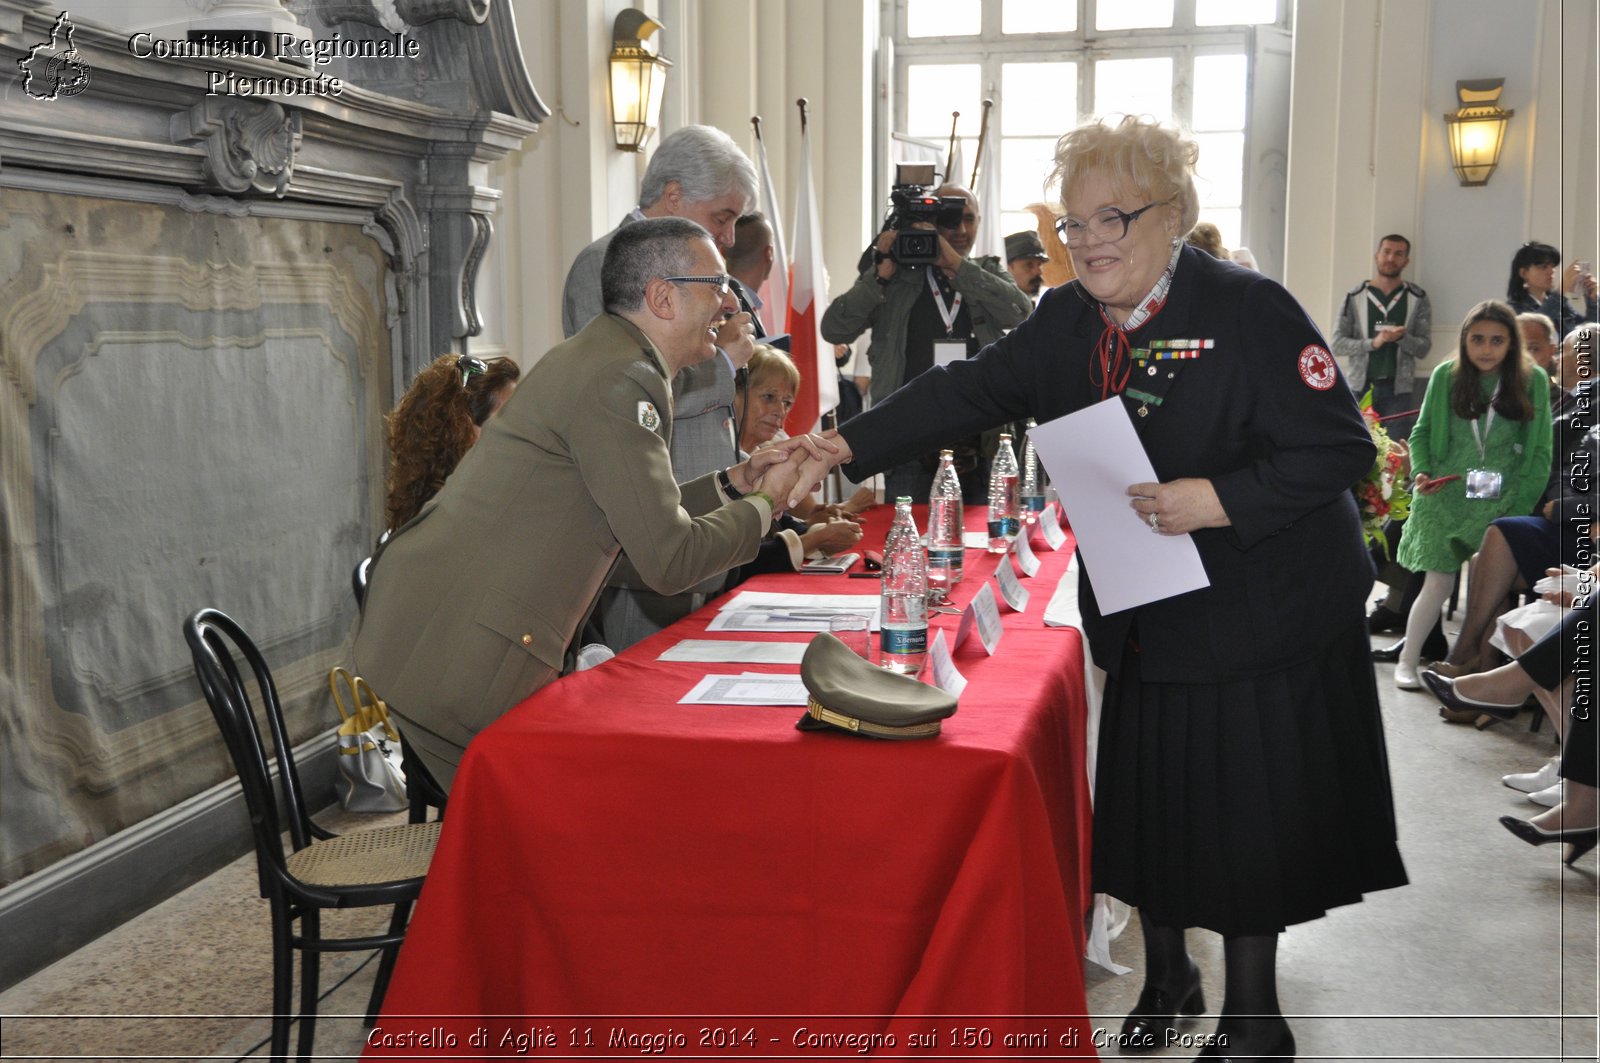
{"x": 621, "y": 874}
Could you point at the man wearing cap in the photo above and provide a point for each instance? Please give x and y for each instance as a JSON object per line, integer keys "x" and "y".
{"x": 1025, "y": 258}
{"x": 473, "y": 603}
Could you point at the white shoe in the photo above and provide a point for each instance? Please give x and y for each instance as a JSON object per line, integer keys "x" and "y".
{"x": 1405, "y": 676}
{"x": 1549, "y": 797}
{"x": 1531, "y": 782}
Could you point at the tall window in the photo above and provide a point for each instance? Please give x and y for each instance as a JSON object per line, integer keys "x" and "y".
{"x": 1049, "y": 65}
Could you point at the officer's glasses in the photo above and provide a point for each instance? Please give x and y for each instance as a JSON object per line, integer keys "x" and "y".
{"x": 721, "y": 280}
{"x": 1108, "y": 226}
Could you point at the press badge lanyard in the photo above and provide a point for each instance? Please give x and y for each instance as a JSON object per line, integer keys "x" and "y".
{"x": 1481, "y": 439}
{"x": 946, "y": 313}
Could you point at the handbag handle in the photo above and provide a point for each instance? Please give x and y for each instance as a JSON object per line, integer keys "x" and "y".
{"x": 376, "y": 705}
{"x": 368, "y": 707}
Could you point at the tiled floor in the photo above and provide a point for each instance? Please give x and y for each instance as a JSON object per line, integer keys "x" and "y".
{"x": 1477, "y": 959}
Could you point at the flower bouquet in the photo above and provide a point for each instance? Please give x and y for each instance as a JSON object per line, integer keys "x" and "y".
{"x": 1384, "y": 493}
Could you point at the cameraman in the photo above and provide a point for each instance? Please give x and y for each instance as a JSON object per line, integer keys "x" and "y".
{"x": 956, "y": 306}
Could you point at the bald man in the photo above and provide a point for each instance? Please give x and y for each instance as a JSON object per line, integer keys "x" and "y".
{"x": 925, "y": 316}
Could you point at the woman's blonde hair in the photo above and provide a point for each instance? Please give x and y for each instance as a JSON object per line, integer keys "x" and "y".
{"x": 1138, "y": 155}
{"x": 769, "y": 361}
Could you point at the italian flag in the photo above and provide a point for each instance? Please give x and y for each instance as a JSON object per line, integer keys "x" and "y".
{"x": 808, "y": 299}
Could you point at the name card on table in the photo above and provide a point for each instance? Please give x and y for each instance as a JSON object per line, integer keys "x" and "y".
{"x": 1011, "y": 588}
{"x": 945, "y": 674}
{"x": 1050, "y": 521}
{"x": 984, "y": 614}
{"x": 1026, "y": 557}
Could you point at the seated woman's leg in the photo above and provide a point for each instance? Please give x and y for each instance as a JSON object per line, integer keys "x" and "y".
{"x": 1494, "y": 575}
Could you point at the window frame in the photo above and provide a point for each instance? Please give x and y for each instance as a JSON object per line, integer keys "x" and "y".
{"x": 990, "y": 49}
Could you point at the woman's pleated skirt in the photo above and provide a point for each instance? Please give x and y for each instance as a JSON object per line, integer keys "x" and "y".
{"x": 1246, "y": 806}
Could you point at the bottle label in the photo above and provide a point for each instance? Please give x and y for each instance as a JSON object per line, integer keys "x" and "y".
{"x": 1004, "y": 527}
{"x": 953, "y": 554}
{"x": 903, "y": 640}
{"x": 1033, "y": 502}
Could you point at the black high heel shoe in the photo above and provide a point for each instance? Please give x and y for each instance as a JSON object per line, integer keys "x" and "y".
{"x": 1444, "y": 688}
{"x": 1581, "y": 839}
{"x": 1152, "y": 1021}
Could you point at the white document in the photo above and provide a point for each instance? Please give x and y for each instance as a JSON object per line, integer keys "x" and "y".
{"x": 1011, "y": 588}
{"x": 978, "y": 540}
{"x": 749, "y": 688}
{"x": 1025, "y": 556}
{"x": 757, "y": 611}
{"x": 1050, "y": 521}
{"x": 946, "y": 676}
{"x": 1093, "y": 457}
{"x": 708, "y": 651}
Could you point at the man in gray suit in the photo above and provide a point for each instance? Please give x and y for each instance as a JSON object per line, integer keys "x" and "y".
{"x": 698, "y": 173}
{"x": 473, "y": 603}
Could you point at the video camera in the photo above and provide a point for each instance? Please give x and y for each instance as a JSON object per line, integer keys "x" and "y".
{"x": 910, "y": 203}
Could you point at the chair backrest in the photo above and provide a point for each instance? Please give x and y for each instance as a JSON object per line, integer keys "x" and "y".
{"x": 358, "y": 581}
{"x": 216, "y": 643}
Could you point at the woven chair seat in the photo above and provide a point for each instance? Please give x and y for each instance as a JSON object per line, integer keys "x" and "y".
{"x": 367, "y": 857}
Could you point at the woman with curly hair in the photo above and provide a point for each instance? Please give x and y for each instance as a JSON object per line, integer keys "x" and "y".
{"x": 436, "y": 422}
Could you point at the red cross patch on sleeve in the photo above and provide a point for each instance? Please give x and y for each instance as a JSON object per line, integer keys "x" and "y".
{"x": 1317, "y": 368}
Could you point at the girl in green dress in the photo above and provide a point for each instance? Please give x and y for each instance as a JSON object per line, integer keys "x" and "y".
{"x": 1480, "y": 450}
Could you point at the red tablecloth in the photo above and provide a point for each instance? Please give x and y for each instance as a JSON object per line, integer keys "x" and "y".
{"x": 616, "y": 866}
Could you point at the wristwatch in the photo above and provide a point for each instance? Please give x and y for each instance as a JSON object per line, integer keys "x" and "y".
{"x": 726, "y": 483}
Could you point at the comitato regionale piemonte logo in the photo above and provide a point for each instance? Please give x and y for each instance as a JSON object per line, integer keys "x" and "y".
{"x": 54, "y": 69}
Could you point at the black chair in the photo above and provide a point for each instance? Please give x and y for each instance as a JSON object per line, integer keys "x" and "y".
{"x": 422, "y": 789}
{"x": 319, "y": 870}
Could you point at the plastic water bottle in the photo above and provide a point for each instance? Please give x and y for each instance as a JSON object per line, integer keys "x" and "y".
{"x": 946, "y": 519}
{"x": 1032, "y": 480}
{"x": 903, "y": 620}
{"x": 1005, "y": 509}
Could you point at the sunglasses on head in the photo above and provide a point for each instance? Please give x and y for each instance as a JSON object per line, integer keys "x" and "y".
{"x": 470, "y": 367}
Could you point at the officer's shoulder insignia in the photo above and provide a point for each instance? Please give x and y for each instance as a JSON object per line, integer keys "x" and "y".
{"x": 1317, "y": 367}
{"x": 648, "y": 417}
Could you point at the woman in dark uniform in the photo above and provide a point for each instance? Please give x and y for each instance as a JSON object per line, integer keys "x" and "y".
{"x": 1242, "y": 781}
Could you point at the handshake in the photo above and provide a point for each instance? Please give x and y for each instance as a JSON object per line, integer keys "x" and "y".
{"x": 789, "y": 470}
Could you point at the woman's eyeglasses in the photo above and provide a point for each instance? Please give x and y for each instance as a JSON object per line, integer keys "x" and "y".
{"x": 721, "y": 280}
{"x": 1108, "y": 226}
{"x": 470, "y": 367}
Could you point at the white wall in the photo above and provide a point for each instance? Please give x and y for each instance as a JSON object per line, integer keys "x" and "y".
{"x": 732, "y": 59}
{"x": 1368, "y": 155}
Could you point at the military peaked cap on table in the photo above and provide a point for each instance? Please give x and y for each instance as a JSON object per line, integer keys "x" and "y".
{"x": 851, "y": 694}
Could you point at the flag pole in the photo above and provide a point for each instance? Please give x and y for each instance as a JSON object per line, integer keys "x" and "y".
{"x": 950, "y": 152}
{"x": 983, "y": 134}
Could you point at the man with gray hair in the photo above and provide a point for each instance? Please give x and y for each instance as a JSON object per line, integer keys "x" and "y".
{"x": 698, "y": 173}
{"x": 473, "y": 604}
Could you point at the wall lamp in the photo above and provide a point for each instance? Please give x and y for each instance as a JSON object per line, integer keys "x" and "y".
{"x": 638, "y": 80}
{"x": 1477, "y": 130}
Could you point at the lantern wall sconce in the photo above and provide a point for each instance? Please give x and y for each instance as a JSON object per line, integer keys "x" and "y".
{"x": 1477, "y": 130}
{"x": 638, "y": 79}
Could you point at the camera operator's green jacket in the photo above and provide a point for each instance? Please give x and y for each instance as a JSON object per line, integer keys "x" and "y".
{"x": 987, "y": 291}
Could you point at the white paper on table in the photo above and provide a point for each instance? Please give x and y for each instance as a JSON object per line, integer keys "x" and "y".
{"x": 1011, "y": 588}
{"x": 986, "y": 614}
{"x": 706, "y": 651}
{"x": 978, "y": 540}
{"x": 771, "y": 611}
{"x": 946, "y": 676}
{"x": 1026, "y": 557}
{"x": 1050, "y": 521}
{"x": 748, "y": 688}
{"x": 1093, "y": 457}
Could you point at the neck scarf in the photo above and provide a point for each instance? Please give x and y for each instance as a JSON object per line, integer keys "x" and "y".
{"x": 1112, "y": 362}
